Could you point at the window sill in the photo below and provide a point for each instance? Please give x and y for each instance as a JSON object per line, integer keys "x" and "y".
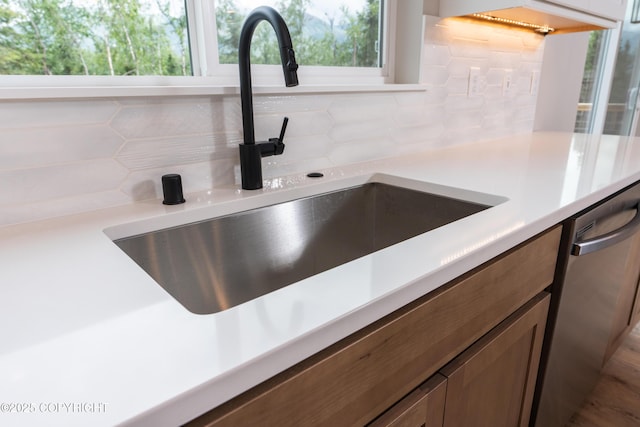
{"x": 76, "y": 92}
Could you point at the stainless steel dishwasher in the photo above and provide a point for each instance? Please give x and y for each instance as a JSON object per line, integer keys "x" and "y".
{"x": 597, "y": 264}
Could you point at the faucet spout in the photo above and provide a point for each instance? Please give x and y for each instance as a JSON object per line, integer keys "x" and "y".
{"x": 250, "y": 152}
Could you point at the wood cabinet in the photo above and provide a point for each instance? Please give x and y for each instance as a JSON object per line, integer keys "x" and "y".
{"x": 489, "y": 384}
{"x": 492, "y": 383}
{"x": 358, "y": 378}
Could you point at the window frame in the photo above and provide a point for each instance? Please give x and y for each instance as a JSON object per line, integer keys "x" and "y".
{"x": 210, "y": 77}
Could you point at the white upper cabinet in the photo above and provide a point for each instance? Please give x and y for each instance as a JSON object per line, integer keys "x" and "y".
{"x": 612, "y": 9}
{"x": 562, "y": 15}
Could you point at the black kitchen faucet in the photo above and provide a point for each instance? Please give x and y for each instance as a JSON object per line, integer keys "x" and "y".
{"x": 251, "y": 153}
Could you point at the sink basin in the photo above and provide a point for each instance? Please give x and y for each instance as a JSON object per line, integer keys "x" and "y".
{"x": 212, "y": 265}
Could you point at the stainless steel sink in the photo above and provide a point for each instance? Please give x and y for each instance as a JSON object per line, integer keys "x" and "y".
{"x": 213, "y": 265}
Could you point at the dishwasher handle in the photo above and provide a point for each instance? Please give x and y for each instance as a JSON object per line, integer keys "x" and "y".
{"x": 611, "y": 238}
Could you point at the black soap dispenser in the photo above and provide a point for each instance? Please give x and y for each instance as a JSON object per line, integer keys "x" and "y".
{"x": 172, "y": 189}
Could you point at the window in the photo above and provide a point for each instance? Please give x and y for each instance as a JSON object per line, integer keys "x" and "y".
{"x": 593, "y": 70}
{"x": 168, "y": 38}
{"x": 635, "y": 12}
{"x": 328, "y": 33}
{"x": 106, "y": 37}
{"x": 609, "y": 98}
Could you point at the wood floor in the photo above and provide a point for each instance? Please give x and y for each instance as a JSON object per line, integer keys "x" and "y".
{"x": 615, "y": 402}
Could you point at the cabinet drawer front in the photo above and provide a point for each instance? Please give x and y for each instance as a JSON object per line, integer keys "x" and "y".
{"x": 358, "y": 378}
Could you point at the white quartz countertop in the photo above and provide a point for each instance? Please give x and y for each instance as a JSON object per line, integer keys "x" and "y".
{"x": 88, "y": 338}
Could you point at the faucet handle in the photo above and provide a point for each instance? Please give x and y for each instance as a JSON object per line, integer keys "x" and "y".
{"x": 279, "y": 144}
{"x": 275, "y": 146}
{"x": 284, "y": 129}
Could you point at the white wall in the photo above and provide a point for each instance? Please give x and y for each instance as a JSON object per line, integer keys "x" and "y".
{"x": 68, "y": 156}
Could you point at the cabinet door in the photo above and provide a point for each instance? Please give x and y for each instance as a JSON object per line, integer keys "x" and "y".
{"x": 492, "y": 383}
{"x": 612, "y": 9}
{"x": 576, "y": 4}
{"x": 424, "y": 407}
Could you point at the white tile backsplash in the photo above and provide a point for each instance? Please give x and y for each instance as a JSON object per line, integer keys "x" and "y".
{"x": 37, "y": 147}
{"x": 21, "y": 114}
{"x": 165, "y": 152}
{"x": 284, "y": 104}
{"x": 145, "y": 184}
{"x": 146, "y": 121}
{"x": 68, "y": 156}
{"x": 366, "y": 107}
{"x": 64, "y": 180}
